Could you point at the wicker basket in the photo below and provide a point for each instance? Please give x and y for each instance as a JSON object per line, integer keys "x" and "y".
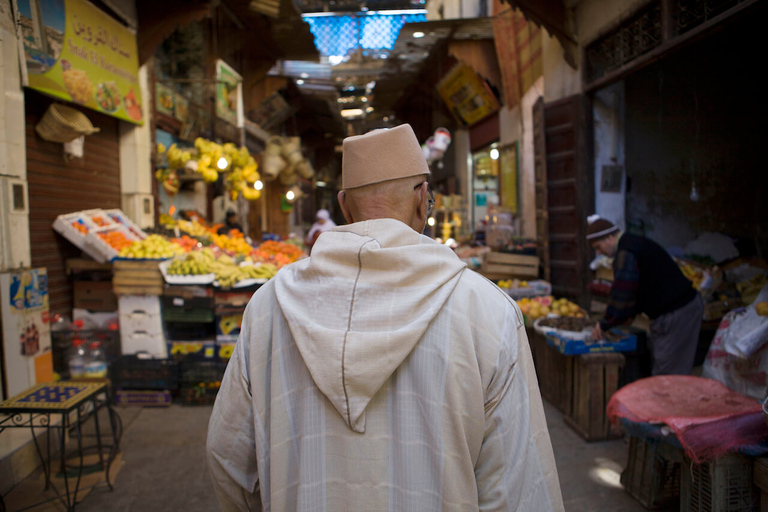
{"x": 63, "y": 124}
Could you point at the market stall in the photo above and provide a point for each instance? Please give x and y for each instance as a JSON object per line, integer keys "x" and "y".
{"x": 171, "y": 316}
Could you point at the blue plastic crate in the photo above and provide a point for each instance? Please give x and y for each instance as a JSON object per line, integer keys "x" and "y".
{"x": 627, "y": 343}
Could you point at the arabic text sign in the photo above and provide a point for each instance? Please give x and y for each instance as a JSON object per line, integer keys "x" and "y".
{"x": 75, "y": 52}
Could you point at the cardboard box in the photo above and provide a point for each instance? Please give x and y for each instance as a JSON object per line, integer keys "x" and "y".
{"x": 94, "y": 296}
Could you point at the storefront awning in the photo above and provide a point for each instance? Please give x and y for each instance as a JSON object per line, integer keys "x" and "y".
{"x": 552, "y": 15}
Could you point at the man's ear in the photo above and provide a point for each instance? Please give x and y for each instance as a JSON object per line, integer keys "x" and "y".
{"x": 343, "y": 204}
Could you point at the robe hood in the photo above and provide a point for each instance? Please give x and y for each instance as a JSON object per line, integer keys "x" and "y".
{"x": 359, "y": 305}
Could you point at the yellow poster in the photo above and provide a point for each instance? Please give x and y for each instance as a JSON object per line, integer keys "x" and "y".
{"x": 468, "y": 98}
{"x": 78, "y": 53}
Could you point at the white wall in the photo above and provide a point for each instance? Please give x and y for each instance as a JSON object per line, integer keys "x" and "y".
{"x": 608, "y": 115}
{"x": 14, "y": 227}
{"x": 527, "y": 169}
{"x": 560, "y": 79}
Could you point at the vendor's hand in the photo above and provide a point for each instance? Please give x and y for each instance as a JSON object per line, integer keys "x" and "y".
{"x": 597, "y": 332}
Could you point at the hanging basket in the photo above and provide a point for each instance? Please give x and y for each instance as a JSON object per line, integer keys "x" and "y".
{"x": 272, "y": 166}
{"x": 305, "y": 170}
{"x": 289, "y": 176}
{"x": 292, "y": 150}
{"x": 274, "y": 146}
{"x": 63, "y": 124}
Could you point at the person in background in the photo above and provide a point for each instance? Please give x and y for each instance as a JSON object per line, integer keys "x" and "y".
{"x": 380, "y": 373}
{"x": 647, "y": 280}
{"x": 323, "y": 223}
{"x": 230, "y": 223}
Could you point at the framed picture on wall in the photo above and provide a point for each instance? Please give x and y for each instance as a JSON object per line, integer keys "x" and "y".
{"x": 508, "y": 163}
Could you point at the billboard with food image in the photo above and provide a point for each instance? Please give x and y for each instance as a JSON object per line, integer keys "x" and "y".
{"x": 77, "y": 53}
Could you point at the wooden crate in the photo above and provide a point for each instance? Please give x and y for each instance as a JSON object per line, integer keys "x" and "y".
{"x": 721, "y": 485}
{"x": 137, "y": 278}
{"x": 591, "y": 380}
{"x": 551, "y": 370}
{"x": 652, "y": 475}
{"x": 499, "y": 265}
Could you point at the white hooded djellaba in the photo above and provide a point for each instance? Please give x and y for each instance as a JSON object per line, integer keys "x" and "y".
{"x": 381, "y": 374}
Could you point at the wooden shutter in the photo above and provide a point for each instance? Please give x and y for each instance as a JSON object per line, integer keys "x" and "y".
{"x": 564, "y": 191}
{"x": 59, "y": 186}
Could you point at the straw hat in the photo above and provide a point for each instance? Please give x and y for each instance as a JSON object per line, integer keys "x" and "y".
{"x": 63, "y": 124}
{"x": 381, "y": 155}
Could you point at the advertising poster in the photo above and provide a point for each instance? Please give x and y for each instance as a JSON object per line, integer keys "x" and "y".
{"x": 467, "y": 97}
{"x": 26, "y": 329}
{"x": 75, "y": 52}
{"x": 227, "y": 92}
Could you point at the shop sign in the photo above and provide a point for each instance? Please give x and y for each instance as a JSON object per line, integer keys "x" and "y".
{"x": 76, "y": 52}
{"x": 228, "y": 93}
{"x": 467, "y": 97}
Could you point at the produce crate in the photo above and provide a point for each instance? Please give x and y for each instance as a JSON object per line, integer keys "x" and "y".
{"x": 99, "y": 217}
{"x": 119, "y": 217}
{"x": 132, "y": 372}
{"x": 193, "y": 310}
{"x": 187, "y": 331}
{"x": 499, "y": 265}
{"x": 101, "y": 250}
{"x": 652, "y": 475}
{"x": 61, "y": 343}
{"x": 564, "y": 345}
{"x": 551, "y": 370}
{"x": 201, "y": 380}
{"x": 64, "y": 224}
{"x": 137, "y": 277}
{"x": 591, "y": 380}
{"x": 721, "y": 485}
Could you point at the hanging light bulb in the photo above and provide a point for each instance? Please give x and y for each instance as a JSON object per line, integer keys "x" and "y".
{"x": 431, "y": 221}
{"x": 222, "y": 163}
{"x": 258, "y": 185}
{"x": 694, "y": 193}
{"x": 290, "y": 195}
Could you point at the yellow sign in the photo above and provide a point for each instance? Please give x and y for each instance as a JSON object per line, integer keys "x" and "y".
{"x": 468, "y": 98}
{"x": 75, "y": 52}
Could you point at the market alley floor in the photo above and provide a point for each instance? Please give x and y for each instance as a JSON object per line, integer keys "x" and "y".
{"x": 164, "y": 468}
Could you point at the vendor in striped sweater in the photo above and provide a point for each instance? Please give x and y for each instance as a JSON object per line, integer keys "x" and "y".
{"x": 647, "y": 280}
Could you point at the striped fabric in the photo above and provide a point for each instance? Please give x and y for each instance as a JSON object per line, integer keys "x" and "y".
{"x": 381, "y": 374}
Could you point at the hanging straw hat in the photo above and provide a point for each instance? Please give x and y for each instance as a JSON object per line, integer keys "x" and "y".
{"x": 381, "y": 155}
{"x": 63, "y": 124}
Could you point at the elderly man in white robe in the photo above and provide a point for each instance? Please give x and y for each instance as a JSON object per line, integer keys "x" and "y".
{"x": 380, "y": 373}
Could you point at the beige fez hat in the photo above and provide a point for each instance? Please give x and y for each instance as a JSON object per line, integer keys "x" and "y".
{"x": 381, "y": 155}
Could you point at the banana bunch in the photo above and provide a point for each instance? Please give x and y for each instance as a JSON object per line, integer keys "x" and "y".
{"x": 228, "y": 274}
{"x": 205, "y": 166}
{"x": 176, "y": 157}
{"x": 206, "y": 147}
{"x": 193, "y": 263}
{"x": 264, "y": 271}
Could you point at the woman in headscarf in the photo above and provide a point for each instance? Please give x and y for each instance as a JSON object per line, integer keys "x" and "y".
{"x": 323, "y": 223}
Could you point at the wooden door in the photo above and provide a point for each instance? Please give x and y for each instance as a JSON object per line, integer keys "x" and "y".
{"x": 564, "y": 192}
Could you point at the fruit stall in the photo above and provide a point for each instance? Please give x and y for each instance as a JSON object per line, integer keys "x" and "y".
{"x": 167, "y": 306}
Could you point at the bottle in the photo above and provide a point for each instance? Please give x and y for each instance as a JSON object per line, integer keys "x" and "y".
{"x": 96, "y": 366}
{"x": 77, "y": 359}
